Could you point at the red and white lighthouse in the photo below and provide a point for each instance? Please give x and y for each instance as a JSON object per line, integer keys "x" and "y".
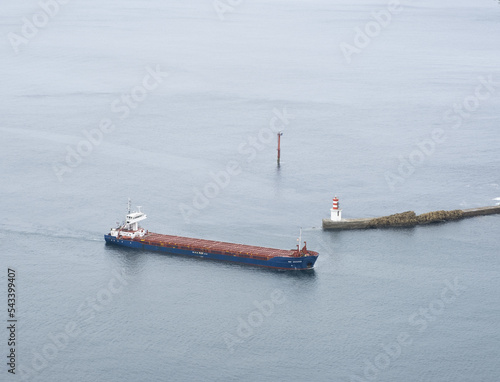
{"x": 336, "y": 211}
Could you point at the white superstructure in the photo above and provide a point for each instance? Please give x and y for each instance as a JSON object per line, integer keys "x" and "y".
{"x": 130, "y": 228}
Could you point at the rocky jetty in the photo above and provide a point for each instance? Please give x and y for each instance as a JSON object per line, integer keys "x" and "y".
{"x": 408, "y": 219}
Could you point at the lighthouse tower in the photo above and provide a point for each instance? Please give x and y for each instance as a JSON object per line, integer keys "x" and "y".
{"x": 336, "y": 212}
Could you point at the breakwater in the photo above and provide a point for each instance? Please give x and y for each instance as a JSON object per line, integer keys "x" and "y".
{"x": 408, "y": 219}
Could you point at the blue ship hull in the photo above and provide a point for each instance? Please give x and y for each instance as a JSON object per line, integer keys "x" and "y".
{"x": 285, "y": 263}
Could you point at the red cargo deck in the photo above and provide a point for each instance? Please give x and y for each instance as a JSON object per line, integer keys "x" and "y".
{"x": 217, "y": 247}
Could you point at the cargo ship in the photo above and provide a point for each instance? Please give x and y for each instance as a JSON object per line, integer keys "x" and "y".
{"x": 130, "y": 234}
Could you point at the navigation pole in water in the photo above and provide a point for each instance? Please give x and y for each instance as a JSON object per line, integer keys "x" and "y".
{"x": 279, "y": 149}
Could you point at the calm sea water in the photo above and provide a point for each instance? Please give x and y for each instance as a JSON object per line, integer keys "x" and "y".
{"x": 402, "y": 119}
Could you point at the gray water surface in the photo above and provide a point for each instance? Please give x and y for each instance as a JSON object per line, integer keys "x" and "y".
{"x": 405, "y": 123}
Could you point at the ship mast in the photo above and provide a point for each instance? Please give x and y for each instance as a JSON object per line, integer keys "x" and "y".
{"x": 299, "y": 240}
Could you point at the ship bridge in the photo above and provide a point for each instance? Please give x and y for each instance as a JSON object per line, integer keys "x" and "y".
{"x": 133, "y": 219}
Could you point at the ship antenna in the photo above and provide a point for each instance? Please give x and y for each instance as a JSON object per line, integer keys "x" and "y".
{"x": 129, "y": 204}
